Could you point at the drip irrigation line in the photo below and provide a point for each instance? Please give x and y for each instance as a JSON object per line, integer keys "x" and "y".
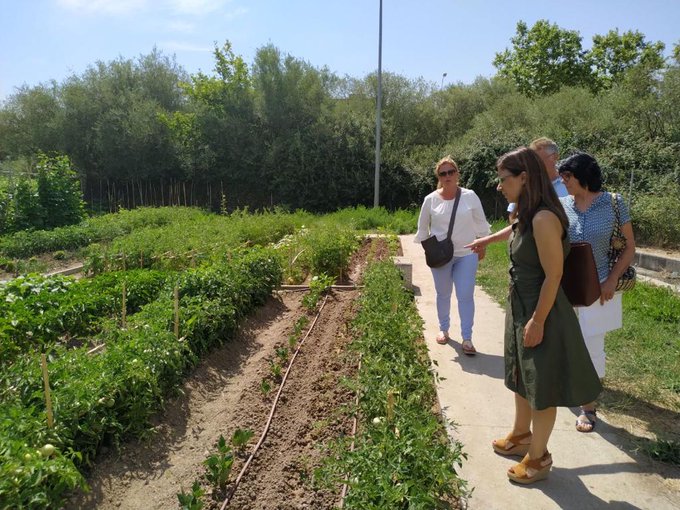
{"x": 306, "y": 287}
{"x": 345, "y": 487}
{"x": 273, "y": 409}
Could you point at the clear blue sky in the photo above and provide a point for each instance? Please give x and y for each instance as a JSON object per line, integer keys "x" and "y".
{"x": 41, "y": 40}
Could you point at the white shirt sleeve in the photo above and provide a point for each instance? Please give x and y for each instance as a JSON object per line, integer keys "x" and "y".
{"x": 423, "y": 231}
{"x": 481, "y": 226}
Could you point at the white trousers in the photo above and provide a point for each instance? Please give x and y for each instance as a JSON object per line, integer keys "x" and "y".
{"x": 596, "y": 320}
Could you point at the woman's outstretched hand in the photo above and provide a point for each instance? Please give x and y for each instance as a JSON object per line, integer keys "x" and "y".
{"x": 478, "y": 246}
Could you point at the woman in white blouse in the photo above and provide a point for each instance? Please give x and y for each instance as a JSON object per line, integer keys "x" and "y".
{"x": 470, "y": 223}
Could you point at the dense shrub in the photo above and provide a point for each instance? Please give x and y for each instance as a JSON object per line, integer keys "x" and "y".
{"x": 50, "y": 199}
{"x": 656, "y": 219}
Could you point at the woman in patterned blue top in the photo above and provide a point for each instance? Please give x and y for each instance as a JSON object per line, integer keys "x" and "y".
{"x": 592, "y": 219}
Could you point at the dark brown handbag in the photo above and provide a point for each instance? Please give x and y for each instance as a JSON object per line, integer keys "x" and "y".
{"x": 579, "y": 277}
{"x": 438, "y": 253}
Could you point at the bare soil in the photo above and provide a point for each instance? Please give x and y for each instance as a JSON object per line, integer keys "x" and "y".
{"x": 223, "y": 394}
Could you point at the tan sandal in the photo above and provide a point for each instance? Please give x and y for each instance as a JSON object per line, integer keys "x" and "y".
{"x": 512, "y": 445}
{"x": 530, "y": 471}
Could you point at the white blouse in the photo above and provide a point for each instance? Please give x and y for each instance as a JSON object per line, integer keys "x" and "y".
{"x": 470, "y": 224}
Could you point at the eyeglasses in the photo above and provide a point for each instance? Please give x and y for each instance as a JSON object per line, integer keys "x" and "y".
{"x": 502, "y": 178}
{"x": 566, "y": 175}
{"x": 447, "y": 172}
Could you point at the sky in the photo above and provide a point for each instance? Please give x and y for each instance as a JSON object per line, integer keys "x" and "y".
{"x": 441, "y": 41}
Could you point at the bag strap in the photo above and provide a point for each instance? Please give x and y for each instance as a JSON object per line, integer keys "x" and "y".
{"x": 614, "y": 253}
{"x": 617, "y": 213}
{"x": 453, "y": 214}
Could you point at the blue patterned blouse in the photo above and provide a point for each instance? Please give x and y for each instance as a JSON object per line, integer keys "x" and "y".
{"x": 595, "y": 226}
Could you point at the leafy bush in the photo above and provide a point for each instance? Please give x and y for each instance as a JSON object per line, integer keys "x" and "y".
{"x": 53, "y": 199}
{"x": 100, "y": 229}
{"x": 652, "y": 217}
{"x": 329, "y": 249}
{"x": 36, "y": 311}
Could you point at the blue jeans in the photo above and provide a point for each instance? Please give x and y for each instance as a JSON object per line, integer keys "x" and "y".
{"x": 461, "y": 272}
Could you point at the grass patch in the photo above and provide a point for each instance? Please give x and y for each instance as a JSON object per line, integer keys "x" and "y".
{"x": 643, "y": 357}
{"x": 492, "y": 274}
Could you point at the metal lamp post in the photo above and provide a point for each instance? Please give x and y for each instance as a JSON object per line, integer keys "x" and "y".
{"x": 376, "y": 193}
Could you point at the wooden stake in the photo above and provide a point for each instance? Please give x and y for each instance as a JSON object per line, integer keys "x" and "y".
{"x": 390, "y": 406}
{"x": 48, "y": 398}
{"x": 141, "y": 260}
{"x": 124, "y": 307}
{"x": 176, "y": 311}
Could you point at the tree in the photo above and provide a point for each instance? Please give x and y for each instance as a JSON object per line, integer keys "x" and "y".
{"x": 612, "y": 54}
{"x": 543, "y": 59}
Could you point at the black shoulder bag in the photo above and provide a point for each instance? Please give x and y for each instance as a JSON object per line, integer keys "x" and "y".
{"x": 438, "y": 253}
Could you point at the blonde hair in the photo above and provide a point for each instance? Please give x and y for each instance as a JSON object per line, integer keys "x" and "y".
{"x": 446, "y": 159}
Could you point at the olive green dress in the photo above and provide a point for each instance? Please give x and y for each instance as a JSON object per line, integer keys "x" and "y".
{"x": 558, "y": 371}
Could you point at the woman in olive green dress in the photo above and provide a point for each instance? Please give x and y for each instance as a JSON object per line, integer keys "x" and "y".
{"x": 546, "y": 360}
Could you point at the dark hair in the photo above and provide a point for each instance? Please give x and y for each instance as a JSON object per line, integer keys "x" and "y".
{"x": 538, "y": 190}
{"x": 586, "y": 170}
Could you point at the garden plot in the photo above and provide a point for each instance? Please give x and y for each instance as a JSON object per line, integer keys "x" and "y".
{"x": 224, "y": 394}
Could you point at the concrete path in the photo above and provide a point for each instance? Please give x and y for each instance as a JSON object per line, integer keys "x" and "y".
{"x": 590, "y": 471}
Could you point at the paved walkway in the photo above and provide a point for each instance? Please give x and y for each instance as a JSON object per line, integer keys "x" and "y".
{"x": 590, "y": 471}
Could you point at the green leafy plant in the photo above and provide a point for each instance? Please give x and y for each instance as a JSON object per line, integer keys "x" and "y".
{"x": 265, "y": 387}
{"x": 275, "y": 369}
{"x": 318, "y": 286}
{"x": 218, "y": 466}
{"x": 240, "y": 438}
{"x": 282, "y": 354}
{"x": 402, "y": 456}
{"x": 191, "y": 500}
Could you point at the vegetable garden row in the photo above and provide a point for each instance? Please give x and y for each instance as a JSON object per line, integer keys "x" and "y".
{"x": 179, "y": 282}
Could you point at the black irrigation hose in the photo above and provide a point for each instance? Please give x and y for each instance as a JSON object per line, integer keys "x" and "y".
{"x": 273, "y": 409}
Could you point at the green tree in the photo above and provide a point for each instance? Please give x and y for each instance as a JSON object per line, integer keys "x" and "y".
{"x": 613, "y": 53}
{"x": 61, "y": 199}
{"x": 215, "y": 136}
{"x": 543, "y": 59}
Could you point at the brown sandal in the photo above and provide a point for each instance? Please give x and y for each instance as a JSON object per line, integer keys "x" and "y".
{"x": 512, "y": 445}
{"x": 530, "y": 471}
{"x": 468, "y": 348}
{"x": 442, "y": 339}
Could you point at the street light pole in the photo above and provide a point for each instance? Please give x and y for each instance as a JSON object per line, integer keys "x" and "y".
{"x": 442, "y": 85}
{"x": 376, "y": 193}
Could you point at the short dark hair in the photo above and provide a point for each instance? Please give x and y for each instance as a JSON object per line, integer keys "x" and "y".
{"x": 585, "y": 168}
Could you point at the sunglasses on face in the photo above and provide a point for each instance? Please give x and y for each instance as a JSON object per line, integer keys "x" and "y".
{"x": 447, "y": 172}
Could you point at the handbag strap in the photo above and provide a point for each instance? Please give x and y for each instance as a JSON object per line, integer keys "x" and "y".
{"x": 614, "y": 253}
{"x": 453, "y": 214}
{"x": 617, "y": 214}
